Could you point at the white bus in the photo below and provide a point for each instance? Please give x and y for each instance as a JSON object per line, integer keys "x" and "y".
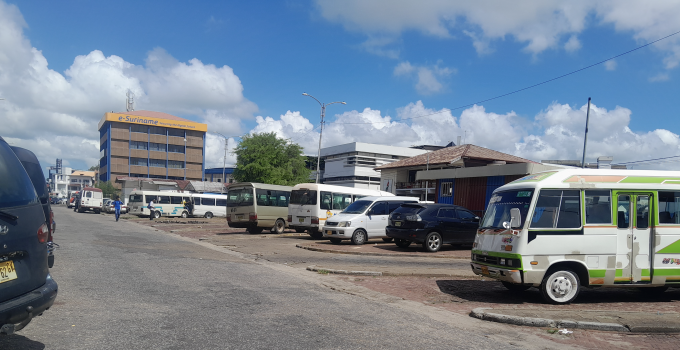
{"x": 563, "y": 230}
{"x": 208, "y": 205}
{"x": 256, "y": 206}
{"x": 311, "y": 204}
{"x": 165, "y": 203}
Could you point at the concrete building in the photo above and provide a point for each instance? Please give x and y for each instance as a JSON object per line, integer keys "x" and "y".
{"x": 148, "y": 144}
{"x": 80, "y": 179}
{"x": 215, "y": 175}
{"x": 352, "y": 164}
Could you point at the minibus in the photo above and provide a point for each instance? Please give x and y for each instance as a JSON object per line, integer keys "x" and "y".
{"x": 311, "y": 204}
{"x": 208, "y": 205}
{"x": 560, "y": 231}
{"x": 257, "y": 206}
{"x": 168, "y": 204}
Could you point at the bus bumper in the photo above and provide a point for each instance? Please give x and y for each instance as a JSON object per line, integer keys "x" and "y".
{"x": 501, "y": 274}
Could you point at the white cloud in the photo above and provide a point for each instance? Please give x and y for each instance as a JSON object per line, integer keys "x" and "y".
{"x": 539, "y": 25}
{"x": 610, "y": 65}
{"x": 44, "y": 108}
{"x": 427, "y": 77}
{"x": 659, "y": 77}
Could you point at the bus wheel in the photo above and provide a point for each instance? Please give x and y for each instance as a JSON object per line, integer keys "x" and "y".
{"x": 560, "y": 287}
{"x": 359, "y": 237}
{"x": 208, "y": 215}
{"x": 513, "y": 287}
{"x": 156, "y": 214}
{"x": 184, "y": 215}
{"x": 279, "y": 226}
{"x": 255, "y": 230}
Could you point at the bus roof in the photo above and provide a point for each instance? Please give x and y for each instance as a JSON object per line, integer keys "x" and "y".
{"x": 341, "y": 189}
{"x": 259, "y": 185}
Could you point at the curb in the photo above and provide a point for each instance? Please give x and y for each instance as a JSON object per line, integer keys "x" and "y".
{"x": 482, "y": 314}
{"x": 344, "y": 272}
{"x": 376, "y": 254}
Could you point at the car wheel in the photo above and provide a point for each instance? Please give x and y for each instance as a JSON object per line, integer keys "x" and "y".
{"x": 315, "y": 234}
{"x": 255, "y": 230}
{"x": 208, "y": 215}
{"x": 402, "y": 243}
{"x": 359, "y": 237}
{"x": 279, "y": 226}
{"x": 184, "y": 215}
{"x": 156, "y": 215}
{"x": 387, "y": 239}
{"x": 433, "y": 241}
{"x": 336, "y": 240}
{"x": 513, "y": 287}
{"x": 560, "y": 287}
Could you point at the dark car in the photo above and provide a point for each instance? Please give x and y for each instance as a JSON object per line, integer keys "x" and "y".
{"x": 432, "y": 225}
{"x": 34, "y": 171}
{"x": 26, "y": 287}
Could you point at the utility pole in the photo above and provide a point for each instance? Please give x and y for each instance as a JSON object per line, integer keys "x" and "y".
{"x": 323, "y": 113}
{"x": 585, "y": 139}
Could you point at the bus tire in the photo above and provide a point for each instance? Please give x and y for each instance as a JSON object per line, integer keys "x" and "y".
{"x": 359, "y": 237}
{"x": 279, "y": 226}
{"x": 560, "y": 286}
{"x": 156, "y": 214}
{"x": 255, "y": 230}
{"x": 184, "y": 215}
{"x": 432, "y": 242}
{"x": 208, "y": 215}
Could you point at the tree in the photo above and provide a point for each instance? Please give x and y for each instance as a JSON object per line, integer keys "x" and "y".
{"x": 268, "y": 159}
{"x": 107, "y": 189}
{"x": 94, "y": 168}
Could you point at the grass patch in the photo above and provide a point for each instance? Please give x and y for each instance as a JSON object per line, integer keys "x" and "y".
{"x": 323, "y": 272}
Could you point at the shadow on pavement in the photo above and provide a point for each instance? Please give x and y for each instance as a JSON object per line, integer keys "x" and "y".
{"x": 493, "y": 292}
{"x": 16, "y": 341}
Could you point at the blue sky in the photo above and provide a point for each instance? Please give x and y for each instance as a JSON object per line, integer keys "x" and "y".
{"x": 242, "y": 67}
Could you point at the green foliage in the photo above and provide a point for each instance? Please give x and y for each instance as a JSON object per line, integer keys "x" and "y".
{"x": 107, "y": 189}
{"x": 268, "y": 159}
{"x": 94, "y": 168}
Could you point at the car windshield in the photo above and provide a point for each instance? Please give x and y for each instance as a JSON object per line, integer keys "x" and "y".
{"x": 303, "y": 197}
{"x": 357, "y": 207}
{"x": 500, "y": 204}
{"x": 16, "y": 187}
{"x": 242, "y": 197}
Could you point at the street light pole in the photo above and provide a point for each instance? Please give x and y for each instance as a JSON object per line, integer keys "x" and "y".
{"x": 224, "y": 163}
{"x": 323, "y": 114}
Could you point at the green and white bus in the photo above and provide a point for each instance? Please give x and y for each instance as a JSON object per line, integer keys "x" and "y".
{"x": 257, "y": 206}
{"x": 165, "y": 203}
{"x": 563, "y": 230}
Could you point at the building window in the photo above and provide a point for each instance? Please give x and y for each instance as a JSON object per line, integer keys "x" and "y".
{"x": 139, "y": 128}
{"x": 175, "y": 148}
{"x": 176, "y": 132}
{"x": 139, "y": 145}
{"x": 447, "y": 189}
{"x": 138, "y": 161}
{"x": 157, "y": 130}
{"x": 159, "y": 163}
{"x": 160, "y": 147}
{"x": 176, "y": 164}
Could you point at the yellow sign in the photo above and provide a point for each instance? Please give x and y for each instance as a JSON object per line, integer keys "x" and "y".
{"x": 166, "y": 123}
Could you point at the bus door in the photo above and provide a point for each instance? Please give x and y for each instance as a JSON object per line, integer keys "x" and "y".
{"x": 634, "y": 213}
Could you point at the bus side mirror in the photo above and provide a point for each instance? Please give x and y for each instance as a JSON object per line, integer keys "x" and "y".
{"x": 515, "y": 218}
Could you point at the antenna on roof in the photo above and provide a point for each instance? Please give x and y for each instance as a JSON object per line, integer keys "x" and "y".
{"x": 130, "y": 102}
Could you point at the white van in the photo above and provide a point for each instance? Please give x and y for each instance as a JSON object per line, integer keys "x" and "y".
{"x": 91, "y": 199}
{"x": 364, "y": 219}
{"x": 208, "y": 205}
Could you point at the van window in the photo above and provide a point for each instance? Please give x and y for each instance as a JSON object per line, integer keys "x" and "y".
{"x": 135, "y": 198}
{"x": 163, "y": 199}
{"x": 208, "y": 201}
{"x": 281, "y": 198}
{"x": 17, "y": 188}
{"x": 341, "y": 201}
{"x": 379, "y": 208}
{"x": 357, "y": 207}
{"x": 221, "y": 202}
{"x": 669, "y": 207}
{"x": 557, "y": 209}
{"x": 150, "y": 198}
{"x": 598, "y": 207}
{"x": 326, "y": 200}
{"x": 175, "y": 200}
{"x": 88, "y": 194}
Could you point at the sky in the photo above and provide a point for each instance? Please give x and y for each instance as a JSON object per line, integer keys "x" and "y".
{"x": 410, "y": 72}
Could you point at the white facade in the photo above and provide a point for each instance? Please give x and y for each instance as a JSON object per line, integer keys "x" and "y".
{"x": 59, "y": 183}
{"x": 352, "y": 164}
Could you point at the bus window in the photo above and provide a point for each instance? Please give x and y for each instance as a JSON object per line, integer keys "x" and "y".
{"x": 642, "y": 212}
{"x": 283, "y": 198}
{"x": 303, "y": 197}
{"x": 221, "y": 202}
{"x": 175, "y": 200}
{"x": 622, "y": 211}
{"x": 163, "y": 199}
{"x": 326, "y": 200}
{"x": 208, "y": 201}
{"x": 150, "y": 198}
{"x": 598, "y": 207}
{"x": 341, "y": 201}
{"x": 669, "y": 207}
{"x": 557, "y": 209}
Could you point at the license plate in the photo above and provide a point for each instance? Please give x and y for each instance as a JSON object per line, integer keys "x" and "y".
{"x": 7, "y": 271}
{"x": 301, "y": 219}
{"x": 485, "y": 270}
{"x": 397, "y": 223}
{"x": 329, "y": 232}
{"x": 239, "y": 217}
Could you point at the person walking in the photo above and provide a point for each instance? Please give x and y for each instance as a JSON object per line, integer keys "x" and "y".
{"x": 151, "y": 207}
{"x": 77, "y": 206}
{"x": 116, "y": 205}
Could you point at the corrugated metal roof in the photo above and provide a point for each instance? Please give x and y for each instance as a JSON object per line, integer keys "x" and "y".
{"x": 447, "y": 155}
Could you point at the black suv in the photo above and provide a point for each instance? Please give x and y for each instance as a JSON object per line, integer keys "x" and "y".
{"x": 26, "y": 287}
{"x": 432, "y": 225}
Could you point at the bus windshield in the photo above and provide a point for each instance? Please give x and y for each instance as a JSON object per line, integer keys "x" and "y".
{"x": 500, "y": 204}
{"x": 303, "y": 197}
{"x": 240, "y": 197}
{"x": 357, "y": 207}
{"x": 135, "y": 198}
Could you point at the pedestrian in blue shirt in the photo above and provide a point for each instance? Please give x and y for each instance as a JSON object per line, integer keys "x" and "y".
{"x": 116, "y": 204}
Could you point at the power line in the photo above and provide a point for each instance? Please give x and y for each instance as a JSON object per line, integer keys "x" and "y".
{"x": 531, "y": 86}
{"x": 655, "y": 160}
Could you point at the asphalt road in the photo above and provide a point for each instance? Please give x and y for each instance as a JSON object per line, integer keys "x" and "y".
{"x": 124, "y": 286}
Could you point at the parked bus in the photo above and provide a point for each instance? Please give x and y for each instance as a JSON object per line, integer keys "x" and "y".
{"x": 563, "y": 230}
{"x": 208, "y": 205}
{"x": 168, "y": 204}
{"x": 311, "y": 204}
{"x": 256, "y": 206}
